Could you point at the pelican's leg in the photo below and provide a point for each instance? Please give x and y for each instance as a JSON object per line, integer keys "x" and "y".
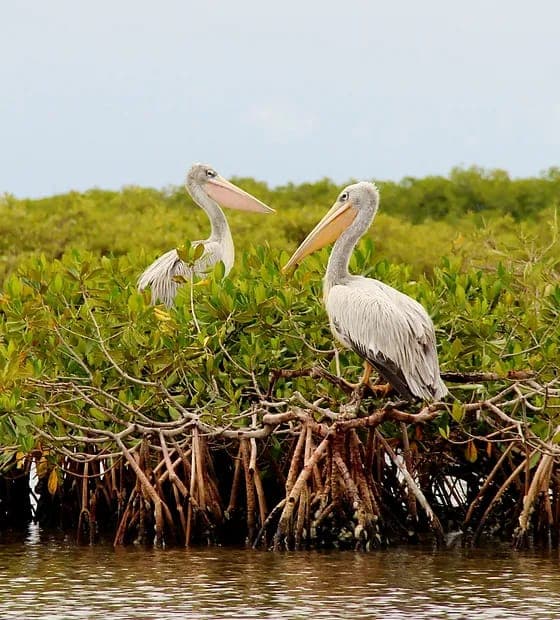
{"x": 379, "y": 389}
{"x": 367, "y": 373}
{"x": 359, "y": 389}
{"x": 365, "y": 377}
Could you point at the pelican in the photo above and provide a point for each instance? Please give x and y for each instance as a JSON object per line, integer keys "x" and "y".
{"x": 207, "y": 188}
{"x": 392, "y": 332}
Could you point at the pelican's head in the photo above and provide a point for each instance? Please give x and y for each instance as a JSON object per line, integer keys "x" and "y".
{"x": 356, "y": 205}
{"x": 202, "y": 177}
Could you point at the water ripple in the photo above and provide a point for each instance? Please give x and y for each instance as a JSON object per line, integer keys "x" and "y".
{"x": 55, "y": 579}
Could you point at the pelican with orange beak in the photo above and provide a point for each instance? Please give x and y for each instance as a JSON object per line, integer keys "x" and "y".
{"x": 391, "y": 331}
{"x": 209, "y": 190}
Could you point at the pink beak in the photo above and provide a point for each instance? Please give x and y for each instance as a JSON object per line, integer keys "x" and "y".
{"x": 229, "y": 195}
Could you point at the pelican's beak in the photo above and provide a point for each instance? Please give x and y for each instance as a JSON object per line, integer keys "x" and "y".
{"x": 327, "y": 230}
{"x": 229, "y": 195}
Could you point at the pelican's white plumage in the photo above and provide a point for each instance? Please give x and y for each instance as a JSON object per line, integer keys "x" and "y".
{"x": 207, "y": 188}
{"x": 390, "y": 330}
{"x": 387, "y": 328}
{"x": 162, "y": 275}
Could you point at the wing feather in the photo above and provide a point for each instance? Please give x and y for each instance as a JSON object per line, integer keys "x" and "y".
{"x": 161, "y": 275}
{"x": 392, "y": 331}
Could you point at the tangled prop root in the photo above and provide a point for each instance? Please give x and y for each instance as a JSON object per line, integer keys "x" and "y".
{"x": 359, "y": 477}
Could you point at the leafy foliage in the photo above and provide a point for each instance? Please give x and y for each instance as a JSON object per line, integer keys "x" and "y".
{"x": 81, "y": 318}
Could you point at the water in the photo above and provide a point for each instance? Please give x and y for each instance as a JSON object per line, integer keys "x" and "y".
{"x": 48, "y": 579}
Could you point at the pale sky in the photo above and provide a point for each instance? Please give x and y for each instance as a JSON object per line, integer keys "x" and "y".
{"x": 120, "y": 92}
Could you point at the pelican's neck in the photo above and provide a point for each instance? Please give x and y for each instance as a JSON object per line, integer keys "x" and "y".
{"x": 220, "y": 231}
{"x": 337, "y": 267}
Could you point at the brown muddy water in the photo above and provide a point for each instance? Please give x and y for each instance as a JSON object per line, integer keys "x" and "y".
{"x": 48, "y": 578}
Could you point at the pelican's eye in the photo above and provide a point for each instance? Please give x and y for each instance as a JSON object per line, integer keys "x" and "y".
{"x": 211, "y": 174}
{"x": 344, "y": 197}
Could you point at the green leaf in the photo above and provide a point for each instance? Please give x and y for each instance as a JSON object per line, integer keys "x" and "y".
{"x": 457, "y": 411}
{"x": 135, "y": 302}
{"x": 173, "y": 413}
{"x": 535, "y": 458}
{"x": 219, "y": 270}
{"x": 183, "y": 251}
{"x": 198, "y": 251}
{"x": 97, "y": 414}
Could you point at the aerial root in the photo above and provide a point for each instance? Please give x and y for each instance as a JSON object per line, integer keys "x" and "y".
{"x": 235, "y": 484}
{"x": 196, "y": 506}
{"x": 249, "y": 489}
{"x": 284, "y": 532}
{"x": 331, "y": 486}
{"x": 538, "y": 488}
{"x": 352, "y": 475}
{"x": 414, "y": 489}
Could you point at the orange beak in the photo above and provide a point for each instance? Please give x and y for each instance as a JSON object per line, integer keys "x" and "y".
{"x": 327, "y": 230}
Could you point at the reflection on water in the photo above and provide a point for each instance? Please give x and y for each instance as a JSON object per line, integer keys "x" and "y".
{"x": 50, "y": 579}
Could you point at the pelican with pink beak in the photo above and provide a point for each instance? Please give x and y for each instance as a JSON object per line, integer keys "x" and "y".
{"x": 209, "y": 190}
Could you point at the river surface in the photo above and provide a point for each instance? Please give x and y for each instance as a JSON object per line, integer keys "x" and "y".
{"x": 53, "y": 578}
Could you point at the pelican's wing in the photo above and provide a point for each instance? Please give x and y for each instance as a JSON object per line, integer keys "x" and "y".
{"x": 392, "y": 331}
{"x": 161, "y": 275}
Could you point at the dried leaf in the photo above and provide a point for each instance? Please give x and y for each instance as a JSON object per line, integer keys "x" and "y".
{"x": 52, "y": 484}
{"x": 161, "y": 315}
{"x": 20, "y": 460}
{"x": 42, "y": 467}
{"x": 471, "y": 453}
